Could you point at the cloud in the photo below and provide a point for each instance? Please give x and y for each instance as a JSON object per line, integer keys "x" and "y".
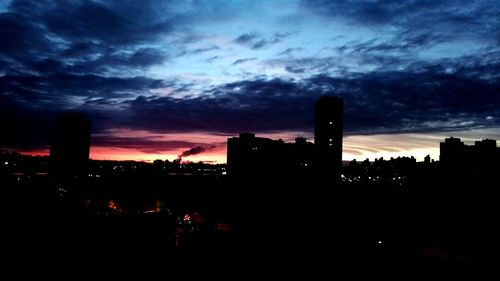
{"x": 146, "y": 145}
{"x": 94, "y": 37}
{"x": 33, "y": 87}
{"x": 310, "y": 65}
{"x": 96, "y": 57}
{"x": 145, "y": 57}
{"x": 206, "y": 49}
{"x": 198, "y": 51}
{"x": 473, "y": 19}
{"x": 405, "y": 42}
{"x": 294, "y": 70}
{"x": 288, "y": 51}
{"x": 29, "y": 104}
{"x": 246, "y": 38}
{"x": 108, "y": 22}
{"x": 418, "y": 100}
{"x": 254, "y": 41}
{"x": 211, "y": 59}
{"x": 240, "y": 61}
{"x": 195, "y": 150}
{"x": 422, "y": 98}
{"x": 366, "y": 12}
{"x": 79, "y": 49}
{"x": 24, "y": 127}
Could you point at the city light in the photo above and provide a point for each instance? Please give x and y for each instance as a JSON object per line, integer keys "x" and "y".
{"x": 112, "y": 205}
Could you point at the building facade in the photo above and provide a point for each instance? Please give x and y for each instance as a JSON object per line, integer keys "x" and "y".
{"x": 70, "y": 147}
{"x": 328, "y": 134}
{"x": 251, "y": 155}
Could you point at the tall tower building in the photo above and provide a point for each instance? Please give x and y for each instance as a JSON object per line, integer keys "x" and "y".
{"x": 328, "y": 132}
{"x": 70, "y": 147}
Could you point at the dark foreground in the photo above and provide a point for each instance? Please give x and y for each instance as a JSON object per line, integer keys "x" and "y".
{"x": 252, "y": 223}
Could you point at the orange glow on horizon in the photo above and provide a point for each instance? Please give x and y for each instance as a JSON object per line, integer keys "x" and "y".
{"x": 357, "y": 147}
{"x": 216, "y": 156}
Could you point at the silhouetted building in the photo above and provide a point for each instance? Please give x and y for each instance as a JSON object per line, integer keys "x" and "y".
{"x": 452, "y": 152}
{"x": 483, "y": 156}
{"x": 301, "y": 156}
{"x": 328, "y": 132}
{"x": 427, "y": 159}
{"x": 70, "y": 147}
{"x": 252, "y": 156}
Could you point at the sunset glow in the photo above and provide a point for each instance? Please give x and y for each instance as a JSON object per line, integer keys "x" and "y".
{"x": 157, "y": 79}
{"x": 355, "y": 147}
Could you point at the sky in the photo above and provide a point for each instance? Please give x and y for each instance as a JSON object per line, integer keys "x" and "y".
{"x": 159, "y": 79}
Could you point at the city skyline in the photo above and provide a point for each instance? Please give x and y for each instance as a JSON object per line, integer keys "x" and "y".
{"x": 159, "y": 79}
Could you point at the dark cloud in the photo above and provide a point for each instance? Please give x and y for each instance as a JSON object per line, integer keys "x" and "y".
{"x": 230, "y": 108}
{"x": 92, "y": 56}
{"x": 446, "y": 95}
{"x": 395, "y": 54}
{"x": 240, "y": 61}
{"x": 283, "y": 35}
{"x": 310, "y": 65}
{"x": 18, "y": 35}
{"x": 146, "y": 57}
{"x": 290, "y": 50}
{"x": 61, "y": 85}
{"x": 195, "y": 150}
{"x": 254, "y": 41}
{"x": 198, "y": 51}
{"x": 206, "y": 49}
{"x": 406, "y": 42}
{"x": 259, "y": 44}
{"x": 146, "y": 145}
{"x": 211, "y": 59}
{"x": 83, "y": 37}
{"x": 113, "y": 23}
{"x": 80, "y": 49}
{"x": 294, "y": 70}
{"x": 478, "y": 19}
{"x": 369, "y": 12}
{"x": 24, "y": 127}
{"x": 420, "y": 99}
{"x": 111, "y": 60}
{"x": 245, "y": 38}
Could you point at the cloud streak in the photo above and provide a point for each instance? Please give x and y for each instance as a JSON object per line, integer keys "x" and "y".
{"x": 240, "y": 61}
{"x": 195, "y": 150}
